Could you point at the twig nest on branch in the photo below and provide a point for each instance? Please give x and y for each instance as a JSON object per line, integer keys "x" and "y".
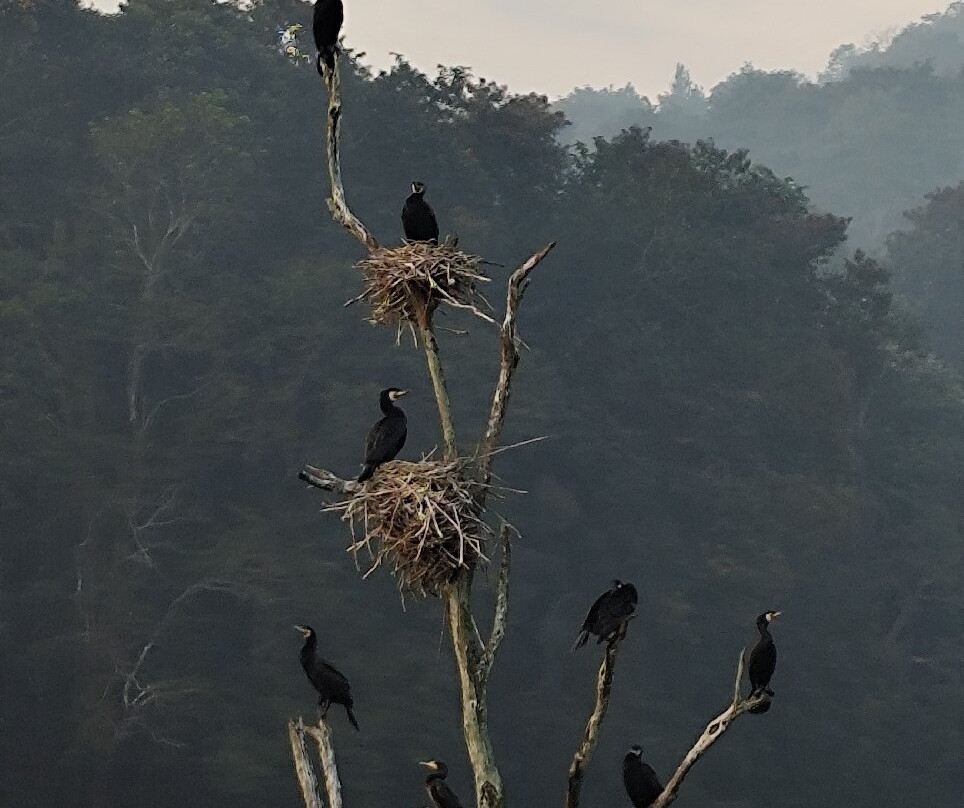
{"x": 421, "y": 519}
{"x": 403, "y": 282}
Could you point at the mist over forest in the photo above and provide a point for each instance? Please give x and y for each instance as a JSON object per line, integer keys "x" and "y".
{"x": 750, "y": 386}
{"x": 881, "y": 127}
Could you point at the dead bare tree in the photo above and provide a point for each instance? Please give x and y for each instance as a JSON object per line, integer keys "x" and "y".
{"x": 409, "y": 298}
{"x": 413, "y": 303}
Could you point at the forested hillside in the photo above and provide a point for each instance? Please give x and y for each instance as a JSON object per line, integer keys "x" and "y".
{"x": 881, "y": 129}
{"x": 734, "y": 423}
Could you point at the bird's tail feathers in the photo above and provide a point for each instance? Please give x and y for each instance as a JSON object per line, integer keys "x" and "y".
{"x": 367, "y": 472}
{"x": 351, "y": 717}
{"x": 326, "y": 57}
{"x": 581, "y": 640}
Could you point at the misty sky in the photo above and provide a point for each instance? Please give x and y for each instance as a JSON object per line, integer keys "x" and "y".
{"x": 551, "y": 46}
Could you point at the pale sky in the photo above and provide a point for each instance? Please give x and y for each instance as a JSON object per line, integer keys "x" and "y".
{"x": 551, "y": 46}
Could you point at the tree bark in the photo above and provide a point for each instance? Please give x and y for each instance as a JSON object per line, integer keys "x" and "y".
{"x": 489, "y": 792}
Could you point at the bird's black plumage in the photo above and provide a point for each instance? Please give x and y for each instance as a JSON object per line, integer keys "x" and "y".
{"x": 418, "y": 218}
{"x": 326, "y": 24}
{"x": 387, "y": 437}
{"x": 642, "y": 784}
{"x": 438, "y": 790}
{"x": 332, "y": 686}
{"x": 763, "y": 657}
{"x": 608, "y": 613}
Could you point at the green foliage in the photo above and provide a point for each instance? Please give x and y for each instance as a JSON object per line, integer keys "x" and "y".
{"x": 928, "y": 262}
{"x": 735, "y": 423}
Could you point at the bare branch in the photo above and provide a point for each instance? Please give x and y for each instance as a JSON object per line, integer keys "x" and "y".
{"x": 711, "y": 734}
{"x": 501, "y": 604}
{"x": 337, "y": 203}
{"x": 489, "y": 791}
{"x": 604, "y": 683}
{"x": 430, "y": 346}
{"x": 327, "y": 480}
{"x": 518, "y": 283}
{"x": 306, "y": 774}
{"x": 326, "y": 753}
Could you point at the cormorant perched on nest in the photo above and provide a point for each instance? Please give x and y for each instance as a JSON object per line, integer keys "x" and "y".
{"x": 328, "y": 17}
{"x": 418, "y": 218}
{"x": 332, "y": 686}
{"x": 642, "y": 784}
{"x": 608, "y": 613}
{"x": 763, "y": 657}
{"x": 387, "y": 437}
{"x": 438, "y": 790}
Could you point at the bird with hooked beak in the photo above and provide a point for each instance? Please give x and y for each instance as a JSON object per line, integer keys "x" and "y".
{"x": 387, "y": 437}
{"x": 418, "y": 218}
{"x": 763, "y": 658}
{"x": 642, "y": 784}
{"x": 331, "y": 684}
{"x": 438, "y": 790}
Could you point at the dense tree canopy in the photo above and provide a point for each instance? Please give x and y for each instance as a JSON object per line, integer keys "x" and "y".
{"x": 736, "y": 423}
{"x": 928, "y": 260}
{"x": 868, "y": 144}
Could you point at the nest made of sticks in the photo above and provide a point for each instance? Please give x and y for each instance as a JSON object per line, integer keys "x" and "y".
{"x": 419, "y": 276}
{"x": 421, "y": 519}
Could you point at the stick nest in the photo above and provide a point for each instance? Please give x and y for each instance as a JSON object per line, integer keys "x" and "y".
{"x": 419, "y": 275}
{"x": 421, "y": 519}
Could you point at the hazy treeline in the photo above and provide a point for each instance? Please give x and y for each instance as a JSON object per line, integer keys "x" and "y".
{"x": 881, "y": 129}
{"x": 734, "y": 426}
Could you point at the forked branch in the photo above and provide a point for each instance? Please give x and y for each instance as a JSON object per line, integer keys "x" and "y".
{"x": 489, "y": 791}
{"x": 604, "y": 684}
{"x": 306, "y": 774}
{"x": 326, "y": 754}
{"x": 738, "y": 706}
{"x": 509, "y": 359}
{"x": 337, "y": 203}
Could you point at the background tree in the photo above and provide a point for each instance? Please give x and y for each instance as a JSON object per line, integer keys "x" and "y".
{"x": 742, "y": 496}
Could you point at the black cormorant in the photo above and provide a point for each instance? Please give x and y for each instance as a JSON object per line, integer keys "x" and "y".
{"x": 438, "y": 790}
{"x": 387, "y": 437}
{"x": 332, "y": 686}
{"x": 640, "y": 780}
{"x": 328, "y": 17}
{"x": 418, "y": 218}
{"x": 763, "y": 657}
{"x": 608, "y": 613}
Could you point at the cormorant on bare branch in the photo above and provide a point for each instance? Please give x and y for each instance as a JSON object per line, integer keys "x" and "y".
{"x": 326, "y": 24}
{"x": 642, "y": 784}
{"x": 608, "y": 613}
{"x": 418, "y": 218}
{"x": 438, "y": 790}
{"x": 332, "y": 686}
{"x": 387, "y": 437}
{"x": 763, "y": 657}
